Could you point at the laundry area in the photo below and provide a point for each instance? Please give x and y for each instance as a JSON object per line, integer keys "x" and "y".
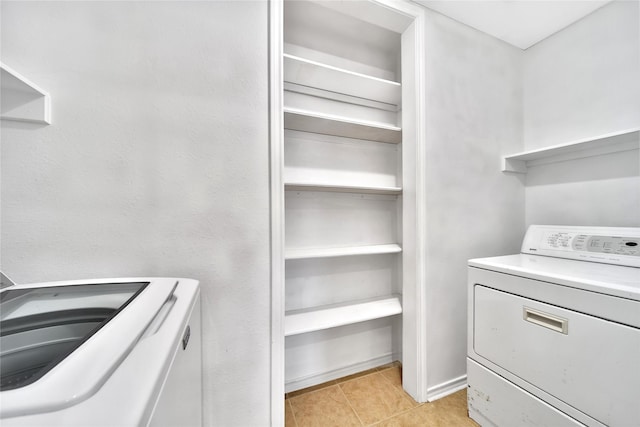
{"x": 320, "y": 213}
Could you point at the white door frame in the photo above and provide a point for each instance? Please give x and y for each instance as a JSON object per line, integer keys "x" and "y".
{"x": 414, "y": 202}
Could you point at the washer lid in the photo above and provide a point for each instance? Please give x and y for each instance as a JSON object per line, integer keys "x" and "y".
{"x": 60, "y": 341}
{"x": 5, "y": 281}
{"x": 607, "y": 279}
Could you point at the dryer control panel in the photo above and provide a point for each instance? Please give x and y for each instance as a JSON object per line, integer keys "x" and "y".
{"x": 611, "y": 245}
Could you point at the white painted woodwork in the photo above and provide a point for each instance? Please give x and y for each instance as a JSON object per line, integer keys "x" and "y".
{"x": 344, "y": 188}
{"x": 316, "y": 319}
{"x": 324, "y": 57}
{"x": 305, "y": 253}
{"x": 595, "y": 146}
{"x": 276, "y": 163}
{"x": 22, "y": 100}
{"x": 315, "y": 282}
{"x": 315, "y": 74}
{"x": 299, "y": 186}
{"x": 342, "y": 40}
{"x": 312, "y": 158}
{"x": 350, "y": 350}
{"x": 317, "y": 219}
{"x": 329, "y": 103}
{"x": 341, "y": 97}
{"x": 329, "y": 124}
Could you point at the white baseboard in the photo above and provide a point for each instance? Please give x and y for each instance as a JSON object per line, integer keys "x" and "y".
{"x": 311, "y": 380}
{"x": 446, "y": 388}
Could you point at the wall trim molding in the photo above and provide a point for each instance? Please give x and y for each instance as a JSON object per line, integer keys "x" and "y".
{"x": 276, "y": 197}
{"x": 446, "y": 388}
{"x": 307, "y": 381}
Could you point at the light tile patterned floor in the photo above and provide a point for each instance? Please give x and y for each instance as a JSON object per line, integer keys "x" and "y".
{"x": 372, "y": 398}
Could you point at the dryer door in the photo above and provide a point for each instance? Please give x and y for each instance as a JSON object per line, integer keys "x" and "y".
{"x": 587, "y": 362}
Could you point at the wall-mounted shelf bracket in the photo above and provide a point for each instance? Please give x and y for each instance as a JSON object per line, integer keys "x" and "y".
{"x": 604, "y": 144}
{"x": 22, "y": 100}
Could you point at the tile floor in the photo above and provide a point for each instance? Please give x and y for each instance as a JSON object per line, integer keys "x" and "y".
{"x": 372, "y": 398}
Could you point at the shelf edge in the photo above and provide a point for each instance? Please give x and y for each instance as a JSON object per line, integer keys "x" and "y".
{"x": 313, "y": 122}
{"x": 296, "y": 64}
{"x": 312, "y": 253}
{"x": 25, "y": 101}
{"x": 388, "y": 306}
{"x": 300, "y": 186}
{"x": 603, "y": 144}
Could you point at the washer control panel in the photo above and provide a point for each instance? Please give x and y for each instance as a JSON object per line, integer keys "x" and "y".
{"x": 611, "y": 245}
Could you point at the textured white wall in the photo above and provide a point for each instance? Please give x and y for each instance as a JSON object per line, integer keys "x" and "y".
{"x": 156, "y": 164}
{"x": 474, "y": 115}
{"x": 579, "y": 83}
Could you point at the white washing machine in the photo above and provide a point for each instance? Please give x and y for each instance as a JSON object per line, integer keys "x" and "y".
{"x": 554, "y": 332}
{"x": 108, "y": 352}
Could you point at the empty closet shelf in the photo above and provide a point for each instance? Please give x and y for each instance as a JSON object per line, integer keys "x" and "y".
{"x": 328, "y": 124}
{"x": 315, "y": 74}
{"x": 300, "y": 322}
{"x": 300, "y": 186}
{"x": 307, "y": 253}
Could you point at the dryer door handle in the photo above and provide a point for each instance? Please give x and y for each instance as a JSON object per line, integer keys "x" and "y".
{"x": 546, "y": 320}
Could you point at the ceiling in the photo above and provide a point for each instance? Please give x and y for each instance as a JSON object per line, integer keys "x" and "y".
{"x": 521, "y": 23}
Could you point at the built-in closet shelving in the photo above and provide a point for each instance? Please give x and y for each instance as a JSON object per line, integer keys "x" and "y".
{"x": 307, "y": 253}
{"x": 304, "y": 321}
{"x": 343, "y": 193}
{"x": 594, "y": 146}
{"x": 332, "y": 124}
{"x": 315, "y": 74}
{"x": 342, "y": 188}
{"x": 22, "y": 100}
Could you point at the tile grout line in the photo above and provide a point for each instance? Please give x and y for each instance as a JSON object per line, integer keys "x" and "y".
{"x": 293, "y": 414}
{"x": 395, "y": 415}
{"x": 401, "y": 389}
{"x": 349, "y": 402}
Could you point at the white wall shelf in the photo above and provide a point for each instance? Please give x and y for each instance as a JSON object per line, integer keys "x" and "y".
{"x": 22, "y": 100}
{"x": 314, "y": 74}
{"x": 304, "y": 321}
{"x": 326, "y": 124}
{"x": 603, "y": 144}
{"x": 299, "y": 186}
{"x": 308, "y": 253}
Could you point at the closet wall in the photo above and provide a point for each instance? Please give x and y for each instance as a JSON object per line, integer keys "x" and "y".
{"x": 343, "y": 186}
{"x": 473, "y": 117}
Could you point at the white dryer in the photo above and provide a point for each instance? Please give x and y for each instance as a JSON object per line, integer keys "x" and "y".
{"x": 108, "y": 352}
{"x": 554, "y": 332}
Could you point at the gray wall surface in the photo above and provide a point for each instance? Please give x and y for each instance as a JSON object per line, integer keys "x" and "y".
{"x": 156, "y": 164}
{"x": 474, "y": 116}
{"x": 580, "y": 83}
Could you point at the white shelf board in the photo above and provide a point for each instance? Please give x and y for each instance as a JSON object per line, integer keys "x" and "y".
{"x": 327, "y": 124}
{"x": 317, "y": 75}
{"x": 307, "y": 253}
{"x": 304, "y": 321}
{"x": 300, "y": 186}
{"x": 22, "y": 100}
{"x": 603, "y": 144}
